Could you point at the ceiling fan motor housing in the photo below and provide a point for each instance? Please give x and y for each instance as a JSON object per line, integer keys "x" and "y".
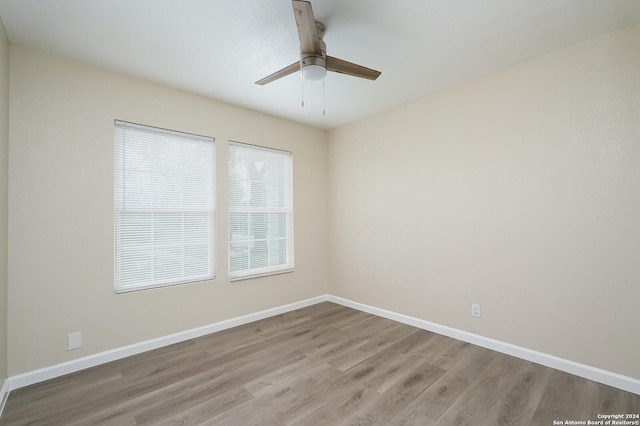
{"x": 314, "y": 66}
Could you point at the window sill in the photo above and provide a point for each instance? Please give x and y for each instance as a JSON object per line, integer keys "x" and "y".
{"x": 261, "y": 274}
{"x": 125, "y": 290}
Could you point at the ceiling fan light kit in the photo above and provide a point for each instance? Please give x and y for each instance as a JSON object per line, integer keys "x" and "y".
{"x": 314, "y": 72}
{"x": 314, "y": 62}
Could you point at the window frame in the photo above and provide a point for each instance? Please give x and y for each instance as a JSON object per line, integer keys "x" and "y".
{"x": 288, "y": 265}
{"x": 199, "y": 215}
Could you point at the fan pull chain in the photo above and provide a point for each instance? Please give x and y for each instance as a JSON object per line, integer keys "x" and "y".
{"x": 302, "y": 88}
{"x": 324, "y": 113}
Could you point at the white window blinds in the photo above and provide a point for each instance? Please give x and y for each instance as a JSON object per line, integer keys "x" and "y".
{"x": 260, "y": 211}
{"x": 164, "y": 207}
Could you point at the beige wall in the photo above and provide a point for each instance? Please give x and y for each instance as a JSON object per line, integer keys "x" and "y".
{"x": 519, "y": 191}
{"x": 4, "y": 165}
{"x": 61, "y": 212}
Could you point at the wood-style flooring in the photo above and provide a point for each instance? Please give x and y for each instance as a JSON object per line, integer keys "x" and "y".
{"x": 322, "y": 365}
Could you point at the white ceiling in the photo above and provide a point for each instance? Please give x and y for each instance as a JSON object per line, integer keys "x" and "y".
{"x": 219, "y": 48}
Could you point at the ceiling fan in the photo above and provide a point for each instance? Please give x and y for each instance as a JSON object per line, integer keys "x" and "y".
{"x": 314, "y": 62}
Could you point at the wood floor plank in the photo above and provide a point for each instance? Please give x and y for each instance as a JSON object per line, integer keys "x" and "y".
{"x": 408, "y": 387}
{"x": 568, "y": 397}
{"x": 429, "y": 406}
{"x": 559, "y": 398}
{"x": 338, "y": 407}
{"x": 599, "y": 398}
{"x": 444, "y": 352}
{"x": 57, "y": 390}
{"x": 194, "y": 408}
{"x": 293, "y": 398}
{"x": 520, "y": 400}
{"x": 376, "y": 343}
{"x": 380, "y": 371}
{"x": 321, "y": 365}
{"x": 200, "y": 413}
{"x": 485, "y": 392}
{"x": 471, "y": 363}
{"x": 418, "y": 341}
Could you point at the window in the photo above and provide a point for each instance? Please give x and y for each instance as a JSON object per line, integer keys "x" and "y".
{"x": 260, "y": 211}
{"x": 164, "y": 207}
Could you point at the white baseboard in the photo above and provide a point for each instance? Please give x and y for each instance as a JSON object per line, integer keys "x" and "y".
{"x": 602, "y": 376}
{"x": 40, "y": 375}
{"x": 4, "y": 394}
{"x": 592, "y": 373}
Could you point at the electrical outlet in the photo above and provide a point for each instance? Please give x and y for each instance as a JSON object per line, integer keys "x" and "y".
{"x": 475, "y": 310}
{"x": 74, "y": 340}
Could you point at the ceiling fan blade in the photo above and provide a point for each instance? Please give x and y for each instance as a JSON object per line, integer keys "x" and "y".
{"x": 349, "y": 68}
{"x": 280, "y": 73}
{"x": 309, "y": 41}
